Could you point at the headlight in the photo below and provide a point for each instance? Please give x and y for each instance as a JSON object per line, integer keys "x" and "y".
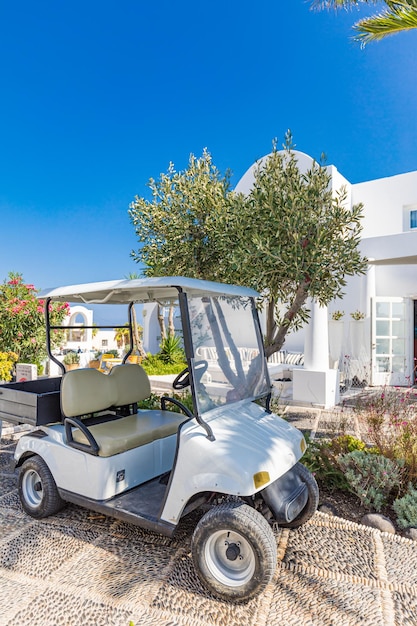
{"x": 260, "y": 479}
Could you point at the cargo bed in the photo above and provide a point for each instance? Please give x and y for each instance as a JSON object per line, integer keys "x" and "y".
{"x": 34, "y": 402}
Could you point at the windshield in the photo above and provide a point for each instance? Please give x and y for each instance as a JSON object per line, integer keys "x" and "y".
{"x": 229, "y": 363}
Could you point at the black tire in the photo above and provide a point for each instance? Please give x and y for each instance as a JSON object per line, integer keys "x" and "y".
{"x": 37, "y": 489}
{"x": 234, "y": 551}
{"x": 313, "y": 498}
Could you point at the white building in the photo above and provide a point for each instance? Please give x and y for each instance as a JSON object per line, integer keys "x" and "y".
{"x": 382, "y": 348}
{"x": 82, "y": 336}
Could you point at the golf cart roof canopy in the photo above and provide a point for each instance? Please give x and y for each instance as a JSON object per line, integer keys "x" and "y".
{"x": 143, "y": 290}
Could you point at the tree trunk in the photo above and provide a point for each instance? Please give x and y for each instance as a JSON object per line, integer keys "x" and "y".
{"x": 136, "y": 337}
{"x": 161, "y": 322}
{"x": 171, "y": 326}
{"x": 275, "y": 343}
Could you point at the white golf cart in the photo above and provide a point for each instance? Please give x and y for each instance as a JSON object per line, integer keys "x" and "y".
{"x": 231, "y": 455}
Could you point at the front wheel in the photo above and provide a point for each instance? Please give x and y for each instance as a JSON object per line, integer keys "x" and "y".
{"x": 234, "y": 551}
{"x": 37, "y": 489}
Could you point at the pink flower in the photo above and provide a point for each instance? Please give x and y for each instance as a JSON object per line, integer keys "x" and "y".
{"x": 33, "y": 340}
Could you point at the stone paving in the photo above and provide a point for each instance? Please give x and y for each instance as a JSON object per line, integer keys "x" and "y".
{"x": 79, "y": 568}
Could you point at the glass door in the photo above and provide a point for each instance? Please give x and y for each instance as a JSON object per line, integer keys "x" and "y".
{"x": 391, "y": 355}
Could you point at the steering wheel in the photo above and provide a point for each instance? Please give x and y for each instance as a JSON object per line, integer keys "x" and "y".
{"x": 183, "y": 379}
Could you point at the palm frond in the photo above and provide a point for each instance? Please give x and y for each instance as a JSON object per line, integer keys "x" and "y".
{"x": 338, "y": 4}
{"x": 400, "y": 16}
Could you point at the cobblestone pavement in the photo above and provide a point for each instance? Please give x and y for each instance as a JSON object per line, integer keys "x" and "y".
{"x": 79, "y": 568}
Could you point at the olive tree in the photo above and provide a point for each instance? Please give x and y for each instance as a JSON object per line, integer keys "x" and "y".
{"x": 183, "y": 229}
{"x": 300, "y": 240}
{"x": 290, "y": 238}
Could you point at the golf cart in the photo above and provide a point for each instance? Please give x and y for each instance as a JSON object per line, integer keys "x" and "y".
{"x": 230, "y": 455}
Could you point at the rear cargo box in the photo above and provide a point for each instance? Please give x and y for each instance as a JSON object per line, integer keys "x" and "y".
{"x": 34, "y": 402}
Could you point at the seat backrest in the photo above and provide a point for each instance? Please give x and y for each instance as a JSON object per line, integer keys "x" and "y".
{"x": 86, "y": 391}
{"x": 131, "y": 383}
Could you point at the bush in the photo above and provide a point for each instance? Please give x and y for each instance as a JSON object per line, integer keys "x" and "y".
{"x": 371, "y": 477}
{"x": 22, "y": 322}
{"x": 322, "y": 456}
{"x": 171, "y": 350}
{"x": 71, "y": 358}
{"x": 154, "y": 402}
{"x": 406, "y": 508}
{"x": 155, "y": 366}
{"x": 389, "y": 421}
{"x": 7, "y": 361}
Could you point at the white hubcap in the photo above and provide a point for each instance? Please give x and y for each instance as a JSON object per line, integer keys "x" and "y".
{"x": 32, "y": 488}
{"x": 230, "y": 558}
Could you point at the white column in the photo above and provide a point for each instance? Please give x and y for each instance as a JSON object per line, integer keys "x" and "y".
{"x": 316, "y": 344}
{"x": 316, "y": 384}
{"x": 369, "y": 290}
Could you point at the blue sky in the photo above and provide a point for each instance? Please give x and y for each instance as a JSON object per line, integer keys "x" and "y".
{"x": 97, "y": 97}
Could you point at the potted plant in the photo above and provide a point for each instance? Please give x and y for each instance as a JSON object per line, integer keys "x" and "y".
{"x": 71, "y": 361}
{"x": 336, "y": 337}
{"x": 95, "y": 362}
{"x": 357, "y": 335}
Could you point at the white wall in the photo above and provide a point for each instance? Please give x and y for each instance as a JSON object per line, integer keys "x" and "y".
{"x": 383, "y": 201}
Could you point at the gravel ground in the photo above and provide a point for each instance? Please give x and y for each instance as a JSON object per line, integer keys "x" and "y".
{"x": 79, "y": 568}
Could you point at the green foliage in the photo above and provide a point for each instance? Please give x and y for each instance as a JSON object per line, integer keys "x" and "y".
{"x": 322, "y": 456}
{"x": 151, "y": 403}
{"x": 406, "y": 508}
{"x": 290, "y": 237}
{"x": 22, "y": 323}
{"x": 357, "y": 315}
{"x": 154, "y": 402}
{"x": 154, "y": 365}
{"x": 389, "y": 421}
{"x": 114, "y": 353}
{"x": 372, "y": 477}
{"x": 71, "y": 358}
{"x": 398, "y": 16}
{"x": 171, "y": 350}
{"x": 7, "y": 361}
{"x": 182, "y": 229}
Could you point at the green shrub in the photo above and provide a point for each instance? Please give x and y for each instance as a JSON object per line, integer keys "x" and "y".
{"x": 154, "y": 402}
{"x": 321, "y": 459}
{"x": 171, "y": 350}
{"x": 7, "y": 361}
{"x": 71, "y": 358}
{"x": 372, "y": 477}
{"x": 389, "y": 420}
{"x": 406, "y": 508}
{"x": 155, "y": 366}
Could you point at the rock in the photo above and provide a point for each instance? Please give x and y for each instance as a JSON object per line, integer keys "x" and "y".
{"x": 328, "y": 508}
{"x": 411, "y": 533}
{"x": 378, "y": 521}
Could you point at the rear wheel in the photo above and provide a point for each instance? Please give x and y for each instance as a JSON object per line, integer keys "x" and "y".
{"x": 234, "y": 551}
{"x": 37, "y": 489}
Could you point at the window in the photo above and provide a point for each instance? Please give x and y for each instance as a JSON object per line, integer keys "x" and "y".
{"x": 104, "y": 343}
{"x": 409, "y": 217}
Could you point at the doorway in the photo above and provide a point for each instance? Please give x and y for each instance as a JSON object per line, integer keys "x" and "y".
{"x": 391, "y": 354}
